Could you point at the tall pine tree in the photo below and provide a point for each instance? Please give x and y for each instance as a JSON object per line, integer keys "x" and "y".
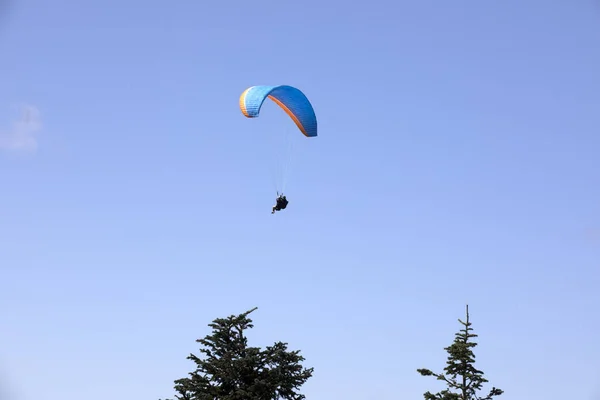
{"x": 231, "y": 370}
{"x": 462, "y": 379}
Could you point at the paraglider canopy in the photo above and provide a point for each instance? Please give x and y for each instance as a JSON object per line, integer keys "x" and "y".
{"x": 289, "y": 98}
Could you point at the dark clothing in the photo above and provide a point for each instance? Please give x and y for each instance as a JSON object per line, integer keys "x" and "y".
{"x": 280, "y": 204}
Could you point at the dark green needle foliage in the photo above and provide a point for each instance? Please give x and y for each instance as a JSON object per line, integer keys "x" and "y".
{"x": 231, "y": 370}
{"x": 462, "y": 379}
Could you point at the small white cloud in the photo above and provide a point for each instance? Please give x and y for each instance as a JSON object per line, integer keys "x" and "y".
{"x": 22, "y": 135}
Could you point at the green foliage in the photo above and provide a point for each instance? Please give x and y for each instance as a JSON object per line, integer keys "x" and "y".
{"x": 461, "y": 377}
{"x": 230, "y": 370}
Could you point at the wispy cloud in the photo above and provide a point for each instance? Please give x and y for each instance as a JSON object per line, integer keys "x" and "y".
{"x": 21, "y": 136}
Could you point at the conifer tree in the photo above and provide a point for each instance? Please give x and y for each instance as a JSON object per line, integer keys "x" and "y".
{"x": 462, "y": 379}
{"x": 231, "y": 370}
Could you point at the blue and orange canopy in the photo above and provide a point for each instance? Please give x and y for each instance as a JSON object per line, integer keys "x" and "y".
{"x": 290, "y": 99}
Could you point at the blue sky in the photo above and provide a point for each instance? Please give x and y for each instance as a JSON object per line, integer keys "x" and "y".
{"x": 456, "y": 162}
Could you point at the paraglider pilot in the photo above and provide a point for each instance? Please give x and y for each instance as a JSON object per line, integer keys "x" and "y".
{"x": 280, "y": 204}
